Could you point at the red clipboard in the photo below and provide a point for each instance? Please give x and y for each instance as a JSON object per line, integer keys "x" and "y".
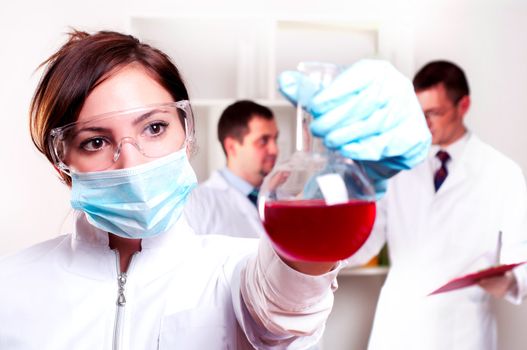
{"x": 473, "y": 278}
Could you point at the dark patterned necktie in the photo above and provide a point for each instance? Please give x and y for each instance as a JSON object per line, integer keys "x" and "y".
{"x": 253, "y": 196}
{"x": 442, "y": 172}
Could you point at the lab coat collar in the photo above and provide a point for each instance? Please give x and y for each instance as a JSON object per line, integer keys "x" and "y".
{"x": 92, "y": 256}
{"x": 455, "y": 150}
{"x": 216, "y": 180}
{"x": 466, "y": 158}
{"x": 236, "y": 182}
{"x": 86, "y": 233}
{"x": 219, "y": 182}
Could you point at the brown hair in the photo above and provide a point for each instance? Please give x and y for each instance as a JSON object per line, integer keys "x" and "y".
{"x": 445, "y": 72}
{"x": 81, "y": 64}
{"x": 234, "y": 121}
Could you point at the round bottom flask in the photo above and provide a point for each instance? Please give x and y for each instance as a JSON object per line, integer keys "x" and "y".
{"x": 316, "y": 206}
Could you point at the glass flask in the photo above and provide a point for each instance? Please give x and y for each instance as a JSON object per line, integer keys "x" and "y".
{"x": 316, "y": 206}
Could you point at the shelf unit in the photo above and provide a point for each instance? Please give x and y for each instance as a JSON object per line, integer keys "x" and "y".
{"x": 364, "y": 271}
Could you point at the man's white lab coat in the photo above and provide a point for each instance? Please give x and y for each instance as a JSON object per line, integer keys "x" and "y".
{"x": 434, "y": 237}
{"x": 181, "y": 291}
{"x": 215, "y": 207}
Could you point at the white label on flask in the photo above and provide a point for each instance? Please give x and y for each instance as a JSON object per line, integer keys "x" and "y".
{"x": 333, "y": 188}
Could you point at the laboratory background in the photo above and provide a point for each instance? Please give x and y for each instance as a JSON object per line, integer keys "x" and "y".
{"x": 230, "y": 50}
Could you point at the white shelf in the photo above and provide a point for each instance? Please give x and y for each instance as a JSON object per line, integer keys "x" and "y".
{"x": 364, "y": 271}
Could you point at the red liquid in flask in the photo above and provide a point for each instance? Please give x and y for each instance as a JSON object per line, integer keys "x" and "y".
{"x": 310, "y": 230}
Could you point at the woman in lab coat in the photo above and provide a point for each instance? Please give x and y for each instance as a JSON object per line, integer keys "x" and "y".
{"x": 112, "y": 116}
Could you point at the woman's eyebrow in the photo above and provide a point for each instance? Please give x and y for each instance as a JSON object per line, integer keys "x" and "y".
{"x": 136, "y": 121}
{"x": 146, "y": 115}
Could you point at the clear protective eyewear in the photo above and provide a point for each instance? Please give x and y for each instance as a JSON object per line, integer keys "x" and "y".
{"x": 95, "y": 145}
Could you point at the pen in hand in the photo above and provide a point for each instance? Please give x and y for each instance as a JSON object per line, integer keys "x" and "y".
{"x": 498, "y": 248}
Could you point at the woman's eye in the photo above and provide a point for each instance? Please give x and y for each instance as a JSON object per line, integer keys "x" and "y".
{"x": 94, "y": 144}
{"x": 155, "y": 129}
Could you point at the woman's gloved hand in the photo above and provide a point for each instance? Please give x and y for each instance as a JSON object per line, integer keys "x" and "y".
{"x": 369, "y": 113}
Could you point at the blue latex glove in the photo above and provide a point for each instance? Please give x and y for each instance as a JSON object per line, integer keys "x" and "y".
{"x": 369, "y": 113}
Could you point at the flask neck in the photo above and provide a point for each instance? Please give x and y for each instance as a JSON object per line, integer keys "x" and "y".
{"x": 316, "y": 76}
{"x": 306, "y": 142}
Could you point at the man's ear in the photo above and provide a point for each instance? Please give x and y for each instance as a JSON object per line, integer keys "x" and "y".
{"x": 230, "y": 145}
{"x": 464, "y": 104}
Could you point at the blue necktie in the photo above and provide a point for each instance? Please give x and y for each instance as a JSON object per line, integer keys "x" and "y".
{"x": 442, "y": 172}
{"x": 253, "y": 196}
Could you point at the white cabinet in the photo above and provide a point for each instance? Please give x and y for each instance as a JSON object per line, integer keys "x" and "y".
{"x": 223, "y": 59}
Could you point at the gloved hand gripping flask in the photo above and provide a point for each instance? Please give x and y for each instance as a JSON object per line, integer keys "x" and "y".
{"x": 318, "y": 205}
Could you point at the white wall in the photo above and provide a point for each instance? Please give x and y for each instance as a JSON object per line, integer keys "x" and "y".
{"x": 485, "y": 37}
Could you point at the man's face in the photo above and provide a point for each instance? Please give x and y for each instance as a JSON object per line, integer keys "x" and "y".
{"x": 444, "y": 118}
{"x": 258, "y": 151}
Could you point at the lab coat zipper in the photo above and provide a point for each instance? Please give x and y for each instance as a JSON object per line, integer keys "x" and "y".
{"x": 121, "y": 301}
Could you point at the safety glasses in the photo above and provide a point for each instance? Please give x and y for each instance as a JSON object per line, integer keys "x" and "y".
{"x": 95, "y": 145}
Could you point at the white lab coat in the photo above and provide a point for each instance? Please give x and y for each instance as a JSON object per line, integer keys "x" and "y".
{"x": 182, "y": 291}
{"x": 215, "y": 207}
{"x": 434, "y": 237}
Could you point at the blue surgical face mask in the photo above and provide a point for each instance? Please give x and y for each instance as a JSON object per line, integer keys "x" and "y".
{"x": 137, "y": 202}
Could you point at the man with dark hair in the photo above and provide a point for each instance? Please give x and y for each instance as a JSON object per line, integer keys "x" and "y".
{"x": 226, "y": 202}
{"x": 442, "y": 90}
{"x": 444, "y": 218}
